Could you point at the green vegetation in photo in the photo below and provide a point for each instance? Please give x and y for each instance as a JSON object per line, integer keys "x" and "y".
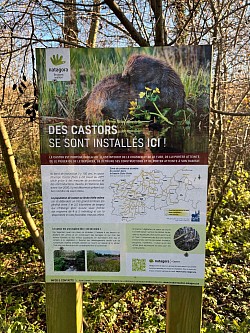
{"x": 59, "y": 264}
{"x": 69, "y": 260}
{"x": 138, "y": 111}
{"x": 97, "y": 262}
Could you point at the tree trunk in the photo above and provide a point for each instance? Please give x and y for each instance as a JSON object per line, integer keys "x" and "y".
{"x": 16, "y": 188}
{"x": 156, "y": 6}
{"x": 94, "y": 24}
{"x": 180, "y": 19}
{"x": 70, "y": 30}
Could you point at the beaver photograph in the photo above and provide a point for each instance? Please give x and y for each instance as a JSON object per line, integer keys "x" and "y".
{"x": 111, "y": 97}
{"x": 158, "y": 92}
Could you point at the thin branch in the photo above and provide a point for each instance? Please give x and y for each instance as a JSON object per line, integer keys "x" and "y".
{"x": 118, "y": 298}
{"x": 221, "y": 195}
{"x": 186, "y": 23}
{"x": 127, "y": 24}
{"x": 15, "y": 117}
{"x": 156, "y": 6}
{"x": 21, "y": 285}
{"x": 233, "y": 114}
{"x": 139, "y": 21}
{"x": 79, "y": 4}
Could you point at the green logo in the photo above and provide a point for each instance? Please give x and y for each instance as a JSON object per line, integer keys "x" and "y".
{"x": 151, "y": 260}
{"x": 56, "y": 60}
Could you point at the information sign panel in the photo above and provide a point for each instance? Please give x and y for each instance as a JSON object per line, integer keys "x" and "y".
{"x": 124, "y": 161}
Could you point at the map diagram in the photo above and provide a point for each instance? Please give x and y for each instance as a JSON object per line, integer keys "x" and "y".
{"x": 153, "y": 190}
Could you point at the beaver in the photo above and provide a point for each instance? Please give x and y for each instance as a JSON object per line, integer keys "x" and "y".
{"x": 146, "y": 71}
{"x": 110, "y": 99}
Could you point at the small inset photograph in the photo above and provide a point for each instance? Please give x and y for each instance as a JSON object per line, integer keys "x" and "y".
{"x": 103, "y": 261}
{"x": 186, "y": 238}
{"x": 69, "y": 260}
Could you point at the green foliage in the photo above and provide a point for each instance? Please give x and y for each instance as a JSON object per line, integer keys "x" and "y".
{"x": 196, "y": 89}
{"x": 123, "y": 308}
{"x": 14, "y": 317}
{"x": 227, "y": 273}
{"x": 22, "y": 294}
{"x": 223, "y": 324}
{"x": 183, "y": 118}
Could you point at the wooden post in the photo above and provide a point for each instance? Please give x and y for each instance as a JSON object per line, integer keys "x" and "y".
{"x": 184, "y": 305}
{"x": 64, "y": 308}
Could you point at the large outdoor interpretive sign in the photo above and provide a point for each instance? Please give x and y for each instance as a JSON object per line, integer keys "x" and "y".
{"x": 124, "y": 162}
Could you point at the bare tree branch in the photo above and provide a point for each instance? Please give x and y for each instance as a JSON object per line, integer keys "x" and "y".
{"x": 156, "y": 6}
{"x": 127, "y": 24}
{"x": 233, "y": 114}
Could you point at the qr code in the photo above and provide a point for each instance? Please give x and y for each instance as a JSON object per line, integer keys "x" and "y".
{"x": 138, "y": 265}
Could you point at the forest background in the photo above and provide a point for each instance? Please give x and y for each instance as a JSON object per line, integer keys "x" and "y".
{"x": 25, "y": 25}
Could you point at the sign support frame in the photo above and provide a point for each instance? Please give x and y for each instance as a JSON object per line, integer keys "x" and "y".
{"x": 64, "y": 307}
{"x": 184, "y": 309}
